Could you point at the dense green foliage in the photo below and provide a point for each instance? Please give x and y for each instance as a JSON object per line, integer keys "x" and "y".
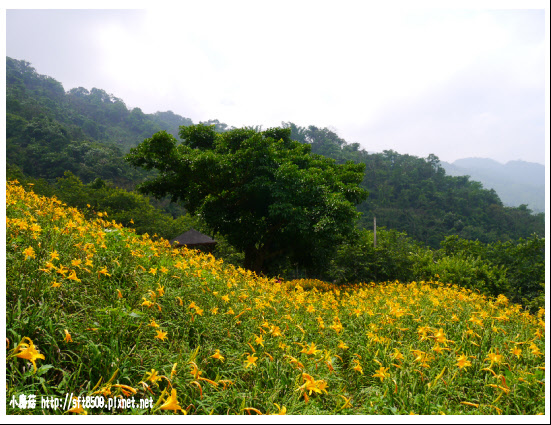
{"x": 515, "y": 269}
{"x": 414, "y": 195}
{"x": 359, "y": 260}
{"x": 42, "y": 148}
{"x": 267, "y": 194}
{"x": 50, "y": 131}
{"x": 86, "y": 115}
{"x": 523, "y": 262}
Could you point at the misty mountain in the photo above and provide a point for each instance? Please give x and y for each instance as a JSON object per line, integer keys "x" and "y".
{"x": 516, "y": 183}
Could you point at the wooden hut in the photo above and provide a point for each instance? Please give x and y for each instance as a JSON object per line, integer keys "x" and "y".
{"x": 194, "y": 240}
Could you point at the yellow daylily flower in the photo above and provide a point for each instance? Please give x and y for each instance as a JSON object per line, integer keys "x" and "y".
{"x": 195, "y": 372}
{"x": 77, "y": 408}
{"x": 171, "y": 403}
{"x": 29, "y": 253}
{"x": 73, "y": 276}
{"x": 218, "y": 356}
{"x": 28, "y": 352}
{"x": 282, "y": 410}
{"x": 103, "y": 271}
{"x": 126, "y": 390}
{"x": 152, "y": 376}
{"x": 161, "y": 335}
{"x": 494, "y": 358}
{"x": 251, "y": 360}
{"x": 275, "y": 331}
{"x": 310, "y": 384}
{"x": 382, "y": 373}
{"x": 295, "y": 362}
{"x": 476, "y": 321}
{"x": 337, "y": 326}
{"x": 440, "y": 336}
{"x": 397, "y": 355}
{"x": 535, "y": 350}
{"x": 462, "y": 361}
{"x": 310, "y": 350}
{"x": 516, "y": 351}
{"x": 342, "y": 346}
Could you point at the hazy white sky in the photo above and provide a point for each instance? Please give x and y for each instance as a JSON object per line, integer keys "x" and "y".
{"x": 456, "y": 82}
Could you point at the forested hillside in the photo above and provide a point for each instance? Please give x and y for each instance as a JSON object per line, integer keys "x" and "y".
{"x": 414, "y": 195}
{"x": 516, "y": 183}
{"x": 50, "y": 131}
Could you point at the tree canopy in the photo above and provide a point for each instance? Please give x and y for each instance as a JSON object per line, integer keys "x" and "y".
{"x": 266, "y": 193}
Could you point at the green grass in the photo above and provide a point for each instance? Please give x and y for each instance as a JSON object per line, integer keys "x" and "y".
{"x": 390, "y": 348}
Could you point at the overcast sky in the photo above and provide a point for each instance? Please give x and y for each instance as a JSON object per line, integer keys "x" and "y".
{"x": 454, "y": 82}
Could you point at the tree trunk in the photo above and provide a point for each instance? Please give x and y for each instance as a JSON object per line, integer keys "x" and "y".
{"x": 254, "y": 260}
{"x": 257, "y": 259}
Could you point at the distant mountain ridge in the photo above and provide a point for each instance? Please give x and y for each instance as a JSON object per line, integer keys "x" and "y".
{"x": 516, "y": 182}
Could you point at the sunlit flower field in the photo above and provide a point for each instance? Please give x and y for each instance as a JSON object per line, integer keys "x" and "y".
{"x": 93, "y": 310}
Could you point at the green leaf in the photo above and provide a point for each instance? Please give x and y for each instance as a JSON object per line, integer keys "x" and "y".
{"x": 43, "y": 369}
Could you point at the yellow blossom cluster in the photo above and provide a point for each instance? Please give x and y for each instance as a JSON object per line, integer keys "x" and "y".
{"x": 234, "y": 328}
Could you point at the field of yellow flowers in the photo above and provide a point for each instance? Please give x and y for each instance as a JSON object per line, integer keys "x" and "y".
{"x": 97, "y": 316}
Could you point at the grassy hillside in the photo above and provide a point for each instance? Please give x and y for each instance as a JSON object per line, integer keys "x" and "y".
{"x": 95, "y": 310}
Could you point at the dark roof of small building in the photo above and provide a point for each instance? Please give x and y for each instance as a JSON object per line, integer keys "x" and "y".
{"x": 192, "y": 237}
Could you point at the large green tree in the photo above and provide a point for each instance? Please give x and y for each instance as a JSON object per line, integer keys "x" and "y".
{"x": 266, "y": 193}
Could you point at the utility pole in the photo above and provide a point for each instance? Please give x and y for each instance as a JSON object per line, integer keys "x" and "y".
{"x": 374, "y": 232}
